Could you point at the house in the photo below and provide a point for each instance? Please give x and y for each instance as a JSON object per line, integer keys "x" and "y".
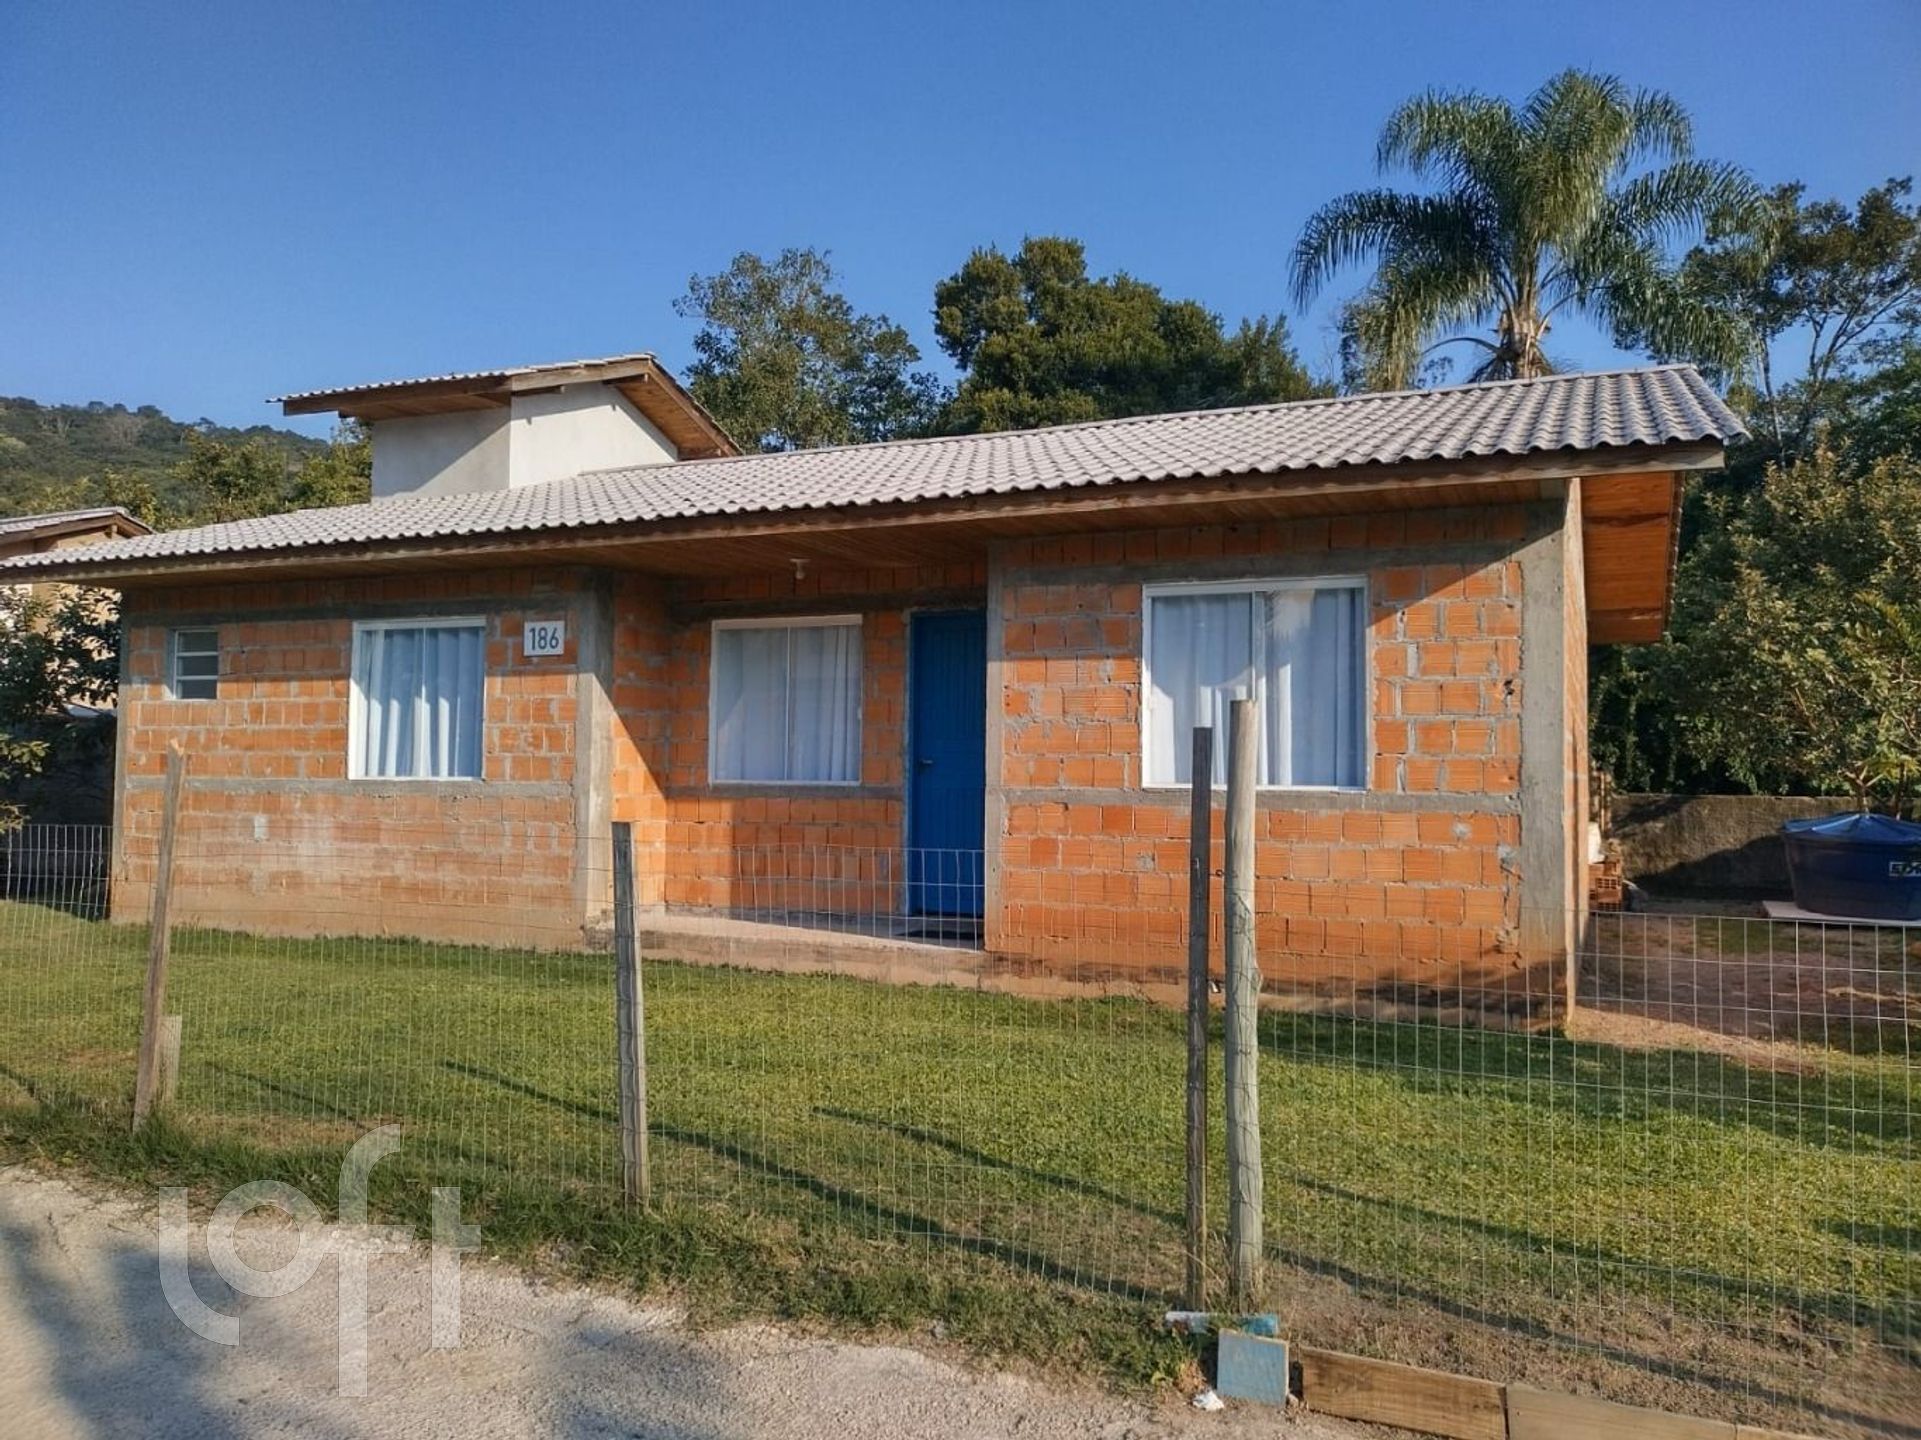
{"x": 63, "y": 529}
{"x": 957, "y": 675}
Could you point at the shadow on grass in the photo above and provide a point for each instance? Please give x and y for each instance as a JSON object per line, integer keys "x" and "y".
{"x": 1905, "y": 1238}
{"x": 28, "y": 1084}
{"x": 288, "y": 1092}
{"x": 986, "y": 1161}
{"x": 1397, "y": 1291}
{"x": 901, "y": 1222}
{"x": 531, "y": 1092}
{"x": 1589, "y": 1080}
{"x": 1892, "y": 1323}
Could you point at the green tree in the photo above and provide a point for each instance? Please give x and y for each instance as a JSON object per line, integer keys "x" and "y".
{"x": 342, "y": 474}
{"x": 1040, "y": 342}
{"x": 1883, "y": 414}
{"x": 1834, "y": 293}
{"x": 1532, "y": 211}
{"x": 1796, "y": 664}
{"x": 53, "y": 653}
{"x": 221, "y": 480}
{"x": 783, "y": 362}
{"x": 1830, "y": 292}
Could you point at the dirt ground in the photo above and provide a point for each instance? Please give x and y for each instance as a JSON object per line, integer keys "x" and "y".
{"x": 1651, "y": 1357}
{"x": 89, "y": 1348}
{"x": 1741, "y": 975}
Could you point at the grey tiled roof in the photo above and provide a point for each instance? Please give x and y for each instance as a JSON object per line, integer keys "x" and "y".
{"x": 53, "y": 519}
{"x": 1562, "y": 413}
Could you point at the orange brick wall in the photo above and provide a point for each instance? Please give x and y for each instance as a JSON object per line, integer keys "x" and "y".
{"x": 1411, "y": 883}
{"x": 758, "y": 846}
{"x": 275, "y": 836}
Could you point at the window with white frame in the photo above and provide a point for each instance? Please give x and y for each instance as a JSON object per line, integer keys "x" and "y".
{"x": 417, "y": 700}
{"x": 195, "y": 665}
{"x": 1297, "y": 647}
{"x": 784, "y": 702}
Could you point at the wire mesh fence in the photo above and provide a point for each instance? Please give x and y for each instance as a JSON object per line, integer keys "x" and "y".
{"x": 1697, "y": 1185}
{"x": 929, "y": 895}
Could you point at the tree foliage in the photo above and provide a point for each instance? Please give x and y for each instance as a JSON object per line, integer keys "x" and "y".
{"x": 1796, "y": 662}
{"x": 1828, "y": 286}
{"x": 1830, "y": 292}
{"x": 1041, "y": 342}
{"x": 783, "y": 361}
{"x": 54, "y": 653}
{"x": 49, "y": 453}
{"x": 1568, "y": 202}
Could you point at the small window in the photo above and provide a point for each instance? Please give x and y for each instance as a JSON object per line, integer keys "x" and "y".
{"x": 196, "y": 665}
{"x": 785, "y": 701}
{"x": 1295, "y": 647}
{"x": 417, "y": 694}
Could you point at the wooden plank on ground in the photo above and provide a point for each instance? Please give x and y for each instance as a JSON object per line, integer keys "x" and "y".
{"x": 1356, "y": 1388}
{"x": 1549, "y": 1415}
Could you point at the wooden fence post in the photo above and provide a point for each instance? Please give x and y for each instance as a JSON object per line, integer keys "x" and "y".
{"x": 148, "y": 1082}
{"x": 1200, "y": 875}
{"x": 1243, "y": 1012}
{"x": 169, "y": 1078}
{"x": 630, "y": 1023}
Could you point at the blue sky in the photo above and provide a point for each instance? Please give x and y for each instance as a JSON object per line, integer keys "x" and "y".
{"x": 209, "y": 203}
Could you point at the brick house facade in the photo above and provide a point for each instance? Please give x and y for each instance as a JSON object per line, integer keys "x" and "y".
{"x": 1451, "y": 860}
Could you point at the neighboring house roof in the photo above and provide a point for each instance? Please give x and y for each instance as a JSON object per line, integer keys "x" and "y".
{"x": 1561, "y": 414}
{"x": 110, "y": 520}
{"x": 646, "y": 384}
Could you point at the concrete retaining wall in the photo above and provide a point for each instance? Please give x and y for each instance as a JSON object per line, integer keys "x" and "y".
{"x": 1710, "y": 844}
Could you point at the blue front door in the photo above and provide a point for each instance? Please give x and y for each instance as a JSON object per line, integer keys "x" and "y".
{"x": 947, "y": 761}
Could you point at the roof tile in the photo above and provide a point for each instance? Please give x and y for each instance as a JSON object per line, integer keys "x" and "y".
{"x": 1584, "y": 412}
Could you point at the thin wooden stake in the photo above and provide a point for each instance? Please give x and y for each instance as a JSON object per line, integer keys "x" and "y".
{"x": 1243, "y": 1013}
{"x": 169, "y": 1061}
{"x": 630, "y": 1023}
{"x": 1200, "y": 867}
{"x": 147, "y": 1078}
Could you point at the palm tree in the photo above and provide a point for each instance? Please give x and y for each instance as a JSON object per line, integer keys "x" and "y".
{"x": 1530, "y": 212}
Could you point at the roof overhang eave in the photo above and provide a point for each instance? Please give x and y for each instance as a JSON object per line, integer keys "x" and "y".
{"x": 555, "y": 544}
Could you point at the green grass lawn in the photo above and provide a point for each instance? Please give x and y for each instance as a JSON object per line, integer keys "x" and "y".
{"x": 1013, "y": 1167}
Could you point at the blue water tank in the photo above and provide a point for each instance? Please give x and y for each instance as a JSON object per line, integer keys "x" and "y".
{"x": 1860, "y": 865}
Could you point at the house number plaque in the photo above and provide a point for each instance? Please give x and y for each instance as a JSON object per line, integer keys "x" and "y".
{"x": 543, "y": 637}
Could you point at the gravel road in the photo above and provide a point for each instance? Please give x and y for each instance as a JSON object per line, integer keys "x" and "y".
{"x": 90, "y": 1348}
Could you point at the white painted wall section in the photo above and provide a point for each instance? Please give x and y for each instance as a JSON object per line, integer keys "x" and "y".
{"x": 454, "y": 454}
{"x": 559, "y": 433}
{"x": 538, "y": 437}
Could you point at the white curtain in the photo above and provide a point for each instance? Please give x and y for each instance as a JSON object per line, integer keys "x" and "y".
{"x": 1313, "y": 718}
{"x": 787, "y": 703}
{"x": 1201, "y": 651}
{"x": 1298, "y": 651}
{"x": 420, "y": 702}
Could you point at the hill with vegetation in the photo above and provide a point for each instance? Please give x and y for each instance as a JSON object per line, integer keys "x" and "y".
{"x": 169, "y": 472}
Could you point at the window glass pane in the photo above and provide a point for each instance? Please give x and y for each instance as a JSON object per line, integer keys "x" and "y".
{"x": 1201, "y": 652}
{"x": 786, "y": 702}
{"x": 196, "y": 664}
{"x": 1298, "y": 649}
{"x": 421, "y": 695}
{"x": 1313, "y": 713}
{"x": 750, "y": 704}
{"x": 823, "y": 740}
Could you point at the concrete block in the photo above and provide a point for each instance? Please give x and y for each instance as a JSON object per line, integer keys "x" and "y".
{"x": 1251, "y": 1367}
